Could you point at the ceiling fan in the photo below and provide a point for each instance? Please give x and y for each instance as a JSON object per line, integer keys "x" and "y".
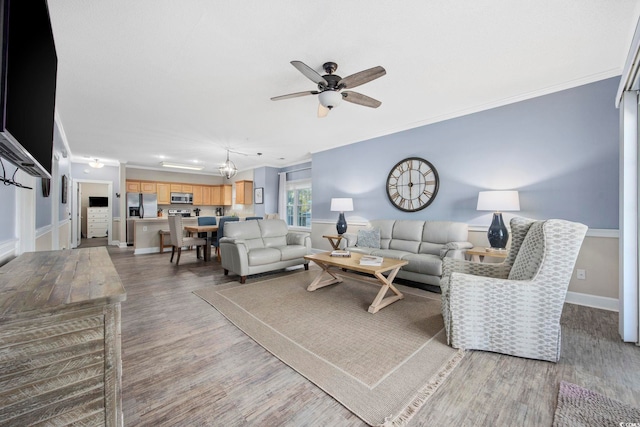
{"x": 330, "y": 86}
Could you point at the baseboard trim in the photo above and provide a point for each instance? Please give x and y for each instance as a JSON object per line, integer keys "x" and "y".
{"x": 7, "y": 251}
{"x": 604, "y": 303}
{"x": 145, "y": 251}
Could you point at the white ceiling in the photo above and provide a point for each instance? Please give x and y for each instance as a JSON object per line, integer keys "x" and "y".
{"x": 187, "y": 79}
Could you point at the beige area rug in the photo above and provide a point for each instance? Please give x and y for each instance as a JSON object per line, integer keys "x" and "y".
{"x": 382, "y": 367}
{"x": 578, "y": 406}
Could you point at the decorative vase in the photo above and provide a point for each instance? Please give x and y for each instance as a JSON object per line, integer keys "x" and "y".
{"x": 341, "y": 225}
{"x": 498, "y": 234}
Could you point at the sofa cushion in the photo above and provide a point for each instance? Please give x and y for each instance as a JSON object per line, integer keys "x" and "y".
{"x": 369, "y": 238}
{"x": 386, "y": 230}
{"x": 423, "y": 264}
{"x": 262, "y": 256}
{"x": 530, "y": 255}
{"x": 445, "y": 231}
{"x": 390, "y": 253}
{"x": 247, "y": 231}
{"x": 430, "y": 248}
{"x": 291, "y": 251}
{"x": 407, "y": 236}
{"x": 274, "y": 232}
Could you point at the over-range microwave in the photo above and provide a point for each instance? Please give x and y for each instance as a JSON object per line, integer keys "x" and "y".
{"x": 182, "y": 198}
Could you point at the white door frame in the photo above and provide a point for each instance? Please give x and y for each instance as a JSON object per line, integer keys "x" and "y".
{"x": 77, "y": 204}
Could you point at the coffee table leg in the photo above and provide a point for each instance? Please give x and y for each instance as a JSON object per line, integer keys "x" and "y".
{"x": 387, "y": 284}
{"x": 319, "y": 283}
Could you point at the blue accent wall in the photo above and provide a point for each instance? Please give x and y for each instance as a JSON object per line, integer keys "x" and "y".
{"x": 560, "y": 151}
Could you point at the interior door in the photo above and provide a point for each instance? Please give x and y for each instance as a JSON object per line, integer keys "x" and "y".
{"x": 78, "y": 215}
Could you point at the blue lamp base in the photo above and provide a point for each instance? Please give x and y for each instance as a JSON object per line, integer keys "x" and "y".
{"x": 341, "y": 225}
{"x": 498, "y": 234}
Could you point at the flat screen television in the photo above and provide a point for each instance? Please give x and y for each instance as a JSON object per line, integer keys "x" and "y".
{"x": 98, "y": 202}
{"x": 28, "y": 71}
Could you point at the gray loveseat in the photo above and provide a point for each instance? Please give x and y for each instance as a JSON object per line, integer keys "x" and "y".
{"x": 256, "y": 246}
{"x": 423, "y": 244}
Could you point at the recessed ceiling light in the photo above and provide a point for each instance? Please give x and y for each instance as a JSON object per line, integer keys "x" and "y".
{"x": 181, "y": 166}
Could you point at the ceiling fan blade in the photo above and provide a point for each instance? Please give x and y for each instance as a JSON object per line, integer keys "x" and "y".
{"x": 362, "y": 77}
{"x": 310, "y": 73}
{"x": 360, "y": 99}
{"x": 294, "y": 95}
{"x": 322, "y": 111}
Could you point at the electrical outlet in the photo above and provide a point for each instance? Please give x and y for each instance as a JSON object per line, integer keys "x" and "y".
{"x": 581, "y": 274}
{"x": 144, "y": 228}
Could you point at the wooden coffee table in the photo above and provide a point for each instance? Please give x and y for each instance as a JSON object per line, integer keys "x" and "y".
{"x": 327, "y": 262}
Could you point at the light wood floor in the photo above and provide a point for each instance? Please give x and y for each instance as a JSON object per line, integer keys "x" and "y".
{"x": 184, "y": 364}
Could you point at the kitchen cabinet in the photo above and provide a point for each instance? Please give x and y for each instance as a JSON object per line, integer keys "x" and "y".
{"x": 197, "y": 195}
{"x": 97, "y": 222}
{"x": 181, "y": 188}
{"x": 133, "y": 186}
{"x": 226, "y": 195}
{"x": 244, "y": 192}
{"x": 221, "y": 195}
{"x": 148, "y": 187}
{"x": 206, "y": 195}
{"x": 164, "y": 193}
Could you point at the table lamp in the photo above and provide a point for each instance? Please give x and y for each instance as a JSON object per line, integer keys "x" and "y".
{"x": 498, "y": 201}
{"x": 341, "y": 205}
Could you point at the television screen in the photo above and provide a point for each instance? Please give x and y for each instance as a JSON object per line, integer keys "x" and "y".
{"x": 28, "y": 85}
{"x": 98, "y": 202}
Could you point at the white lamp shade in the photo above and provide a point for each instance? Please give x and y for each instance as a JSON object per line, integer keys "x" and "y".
{"x": 342, "y": 204}
{"x": 498, "y": 201}
{"x": 330, "y": 98}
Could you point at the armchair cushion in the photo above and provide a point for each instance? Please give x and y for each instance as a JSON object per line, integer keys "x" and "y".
{"x": 529, "y": 258}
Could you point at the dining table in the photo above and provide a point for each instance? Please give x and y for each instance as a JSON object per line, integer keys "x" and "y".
{"x": 209, "y": 229}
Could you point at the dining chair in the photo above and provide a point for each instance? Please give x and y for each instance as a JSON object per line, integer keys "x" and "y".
{"x": 220, "y": 233}
{"x": 207, "y": 220}
{"x": 178, "y": 240}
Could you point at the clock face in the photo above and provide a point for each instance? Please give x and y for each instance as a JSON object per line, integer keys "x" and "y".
{"x": 412, "y": 184}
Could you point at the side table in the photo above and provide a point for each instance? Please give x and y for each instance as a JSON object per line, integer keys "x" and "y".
{"x": 334, "y": 239}
{"x": 477, "y": 253}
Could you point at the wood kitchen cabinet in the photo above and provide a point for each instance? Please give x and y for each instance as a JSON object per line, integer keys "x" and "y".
{"x": 133, "y": 186}
{"x": 226, "y": 195}
{"x": 181, "y": 188}
{"x": 164, "y": 193}
{"x": 148, "y": 187}
{"x": 221, "y": 195}
{"x": 206, "y": 195}
{"x": 244, "y": 192}
{"x": 197, "y": 195}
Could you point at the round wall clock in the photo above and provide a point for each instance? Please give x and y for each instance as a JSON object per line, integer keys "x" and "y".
{"x": 412, "y": 184}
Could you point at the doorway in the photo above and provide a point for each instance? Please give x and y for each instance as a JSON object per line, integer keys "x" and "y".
{"x": 93, "y": 225}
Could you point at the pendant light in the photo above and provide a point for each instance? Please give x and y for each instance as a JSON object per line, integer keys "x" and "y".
{"x": 228, "y": 169}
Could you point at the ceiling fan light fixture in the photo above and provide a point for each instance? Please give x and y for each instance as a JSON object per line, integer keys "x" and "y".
{"x": 96, "y": 164}
{"x": 228, "y": 168}
{"x": 330, "y": 98}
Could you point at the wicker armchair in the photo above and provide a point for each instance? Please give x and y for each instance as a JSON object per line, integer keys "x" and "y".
{"x": 514, "y": 307}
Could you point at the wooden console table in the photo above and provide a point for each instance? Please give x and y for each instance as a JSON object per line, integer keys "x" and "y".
{"x": 60, "y": 339}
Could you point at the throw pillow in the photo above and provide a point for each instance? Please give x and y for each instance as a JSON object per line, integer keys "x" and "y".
{"x": 369, "y": 238}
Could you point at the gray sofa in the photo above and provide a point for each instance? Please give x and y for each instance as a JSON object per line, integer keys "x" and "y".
{"x": 256, "y": 246}
{"x": 423, "y": 244}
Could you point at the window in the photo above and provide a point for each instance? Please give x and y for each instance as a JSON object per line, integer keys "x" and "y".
{"x": 299, "y": 203}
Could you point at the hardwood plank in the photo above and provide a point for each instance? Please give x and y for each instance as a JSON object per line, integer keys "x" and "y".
{"x": 185, "y": 364}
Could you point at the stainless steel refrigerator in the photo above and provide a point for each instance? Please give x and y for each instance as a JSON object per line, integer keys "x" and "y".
{"x": 140, "y": 205}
